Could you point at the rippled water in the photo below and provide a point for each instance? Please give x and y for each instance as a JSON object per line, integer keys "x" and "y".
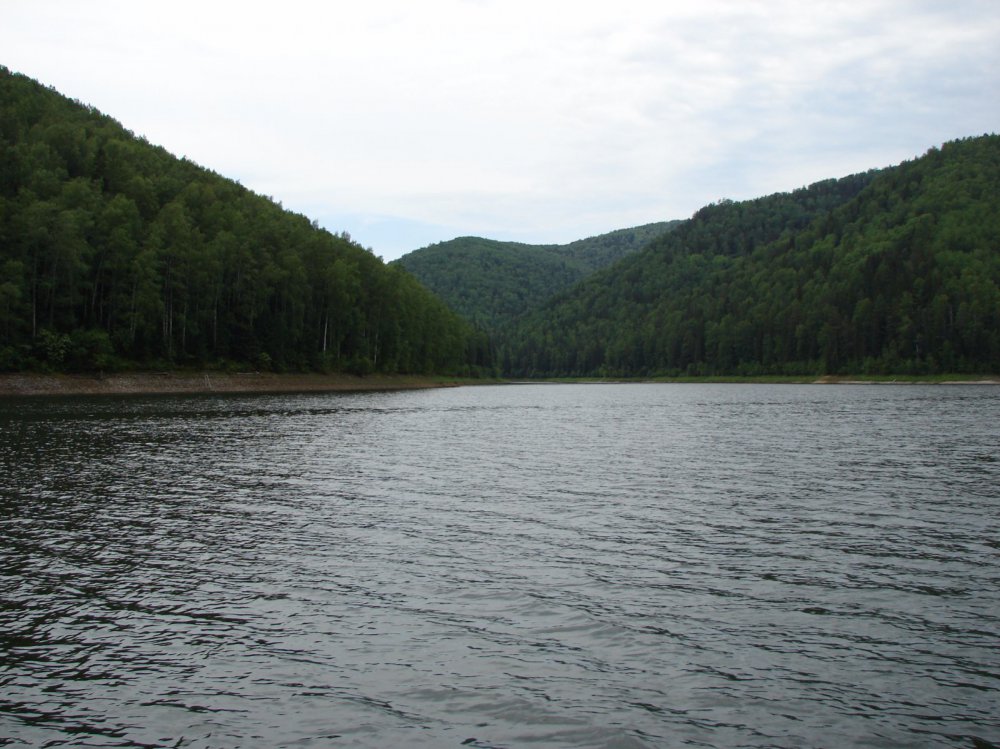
{"x": 550, "y": 565}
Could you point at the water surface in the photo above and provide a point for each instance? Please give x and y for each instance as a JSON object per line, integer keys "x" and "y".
{"x": 548, "y": 565}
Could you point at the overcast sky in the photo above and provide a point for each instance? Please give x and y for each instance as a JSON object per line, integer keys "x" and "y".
{"x": 406, "y": 123}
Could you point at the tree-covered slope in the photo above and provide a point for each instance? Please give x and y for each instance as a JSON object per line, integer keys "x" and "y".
{"x": 594, "y": 253}
{"x": 893, "y": 271}
{"x": 491, "y": 282}
{"x": 112, "y": 251}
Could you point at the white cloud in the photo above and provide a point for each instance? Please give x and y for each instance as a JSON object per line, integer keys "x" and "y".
{"x": 541, "y": 121}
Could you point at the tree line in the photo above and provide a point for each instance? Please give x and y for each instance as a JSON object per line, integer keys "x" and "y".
{"x": 891, "y": 271}
{"x": 114, "y": 253}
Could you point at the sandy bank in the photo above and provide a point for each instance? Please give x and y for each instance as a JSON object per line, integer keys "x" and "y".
{"x": 905, "y": 380}
{"x": 135, "y": 383}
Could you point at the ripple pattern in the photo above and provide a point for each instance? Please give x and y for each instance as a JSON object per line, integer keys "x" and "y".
{"x": 539, "y": 565}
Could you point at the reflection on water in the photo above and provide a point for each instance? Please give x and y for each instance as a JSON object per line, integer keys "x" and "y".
{"x": 586, "y": 566}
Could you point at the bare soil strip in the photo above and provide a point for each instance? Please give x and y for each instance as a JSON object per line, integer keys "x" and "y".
{"x": 136, "y": 383}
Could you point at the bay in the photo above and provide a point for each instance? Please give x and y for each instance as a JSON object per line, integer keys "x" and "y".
{"x": 501, "y": 566}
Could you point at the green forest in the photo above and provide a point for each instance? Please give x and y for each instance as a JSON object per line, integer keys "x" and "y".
{"x": 114, "y": 254}
{"x": 892, "y": 271}
{"x": 491, "y": 283}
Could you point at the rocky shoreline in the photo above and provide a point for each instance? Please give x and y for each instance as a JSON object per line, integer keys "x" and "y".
{"x": 153, "y": 383}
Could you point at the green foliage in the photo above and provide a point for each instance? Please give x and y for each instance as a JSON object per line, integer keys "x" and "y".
{"x": 51, "y": 348}
{"x": 90, "y": 350}
{"x": 490, "y": 283}
{"x": 115, "y": 253}
{"x": 896, "y": 271}
{"x": 111, "y": 249}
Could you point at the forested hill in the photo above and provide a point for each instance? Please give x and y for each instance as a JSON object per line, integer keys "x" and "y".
{"x": 895, "y": 271}
{"x": 115, "y": 253}
{"x": 491, "y": 282}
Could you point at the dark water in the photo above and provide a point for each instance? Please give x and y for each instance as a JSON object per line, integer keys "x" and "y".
{"x": 567, "y": 566}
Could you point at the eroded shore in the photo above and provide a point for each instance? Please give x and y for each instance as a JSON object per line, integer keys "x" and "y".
{"x": 151, "y": 383}
{"x": 154, "y": 383}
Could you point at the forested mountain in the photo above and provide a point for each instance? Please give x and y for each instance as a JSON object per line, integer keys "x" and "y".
{"x": 115, "y": 253}
{"x": 112, "y": 251}
{"x": 895, "y": 271}
{"x": 491, "y": 282}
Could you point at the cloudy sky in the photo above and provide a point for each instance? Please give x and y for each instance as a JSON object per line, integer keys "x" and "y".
{"x": 406, "y": 123}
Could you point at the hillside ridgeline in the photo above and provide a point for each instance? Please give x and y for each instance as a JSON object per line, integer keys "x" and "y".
{"x": 491, "y": 282}
{"x": 116, "y": 254}
{"x": 892, "y": 271}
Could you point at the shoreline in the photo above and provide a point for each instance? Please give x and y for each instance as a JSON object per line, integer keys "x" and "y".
{"x": 207, "y": 383}
{"x": 31, "y": 384}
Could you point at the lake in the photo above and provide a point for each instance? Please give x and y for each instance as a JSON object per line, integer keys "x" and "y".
{"x": 504, "y": 566}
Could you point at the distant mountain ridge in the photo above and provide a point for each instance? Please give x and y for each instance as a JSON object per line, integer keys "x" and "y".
{"x": 491, "y": 282}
